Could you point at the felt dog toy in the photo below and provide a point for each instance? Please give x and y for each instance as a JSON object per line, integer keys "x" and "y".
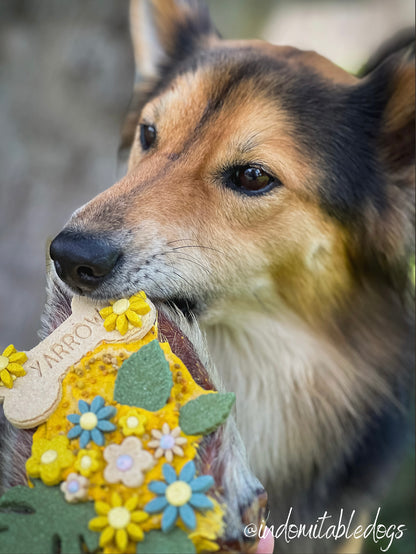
{"x": 119, "y": 420}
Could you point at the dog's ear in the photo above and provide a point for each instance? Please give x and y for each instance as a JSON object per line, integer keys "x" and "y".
{"x": 396, "y": 77}
{"x": 389, "y": 91}
{"x": 164, "y": 32}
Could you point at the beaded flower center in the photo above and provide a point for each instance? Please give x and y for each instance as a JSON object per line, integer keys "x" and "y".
{"x": 124, "y": 462}
{"x": 73, "y": 486}
{"x": 119, "y": 517}
{"x": 85, "y": 462}
{"x": 88, "y": 421}
{"x": 166, "y": 442}
{"x": 121, "y": 306}
{"x": 132, "y": 422}
{"x": 4, "y": 362}
{"x": 178, "y": 493}
{"x": 49, "y": 456}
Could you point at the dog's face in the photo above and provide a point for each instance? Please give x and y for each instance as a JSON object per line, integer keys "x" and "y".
{"x": 255, "y": 171}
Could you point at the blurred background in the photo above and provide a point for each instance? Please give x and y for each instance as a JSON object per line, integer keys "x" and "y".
{"x": 66, "y": 74}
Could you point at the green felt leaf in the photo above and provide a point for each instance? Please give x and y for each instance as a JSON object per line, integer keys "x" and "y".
{"x": 144, "y": 380}
{"x": 204, "y": 414}
{"x": 40, "y": 521}
{"x": 174, "y": 542}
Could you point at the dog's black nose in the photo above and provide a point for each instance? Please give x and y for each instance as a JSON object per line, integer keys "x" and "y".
{"x": 83, "y": 260}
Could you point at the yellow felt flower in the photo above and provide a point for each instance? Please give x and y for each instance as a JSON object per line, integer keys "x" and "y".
{"x": 209, "y": 526}
{"x": 118, "y": 522}
{"x": 124, "y": 312}
{"x": 132, "y": 423}
{"x": 10, "y": 366}
{"x": 88, "y": 462}
{"x": 49, "y": 458}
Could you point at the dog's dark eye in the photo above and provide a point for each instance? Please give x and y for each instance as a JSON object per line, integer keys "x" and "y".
{"x": 147, "y": 136}
{"x": 251, "y": 180}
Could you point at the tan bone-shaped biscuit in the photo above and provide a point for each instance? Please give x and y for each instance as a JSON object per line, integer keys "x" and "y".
{"x": 36, "y": 395}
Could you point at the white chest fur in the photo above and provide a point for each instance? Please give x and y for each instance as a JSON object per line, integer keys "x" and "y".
{"x": 293, "y": 391}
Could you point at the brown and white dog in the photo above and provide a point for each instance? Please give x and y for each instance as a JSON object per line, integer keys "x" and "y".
{"x": 270, "y": 197}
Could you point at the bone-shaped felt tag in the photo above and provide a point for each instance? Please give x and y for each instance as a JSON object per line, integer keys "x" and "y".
{"x": 36, "y": 395}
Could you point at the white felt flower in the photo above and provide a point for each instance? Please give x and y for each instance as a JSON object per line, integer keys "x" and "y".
{"x": 167, "y": 442}
{"x": 127, "y": 462}
{"x": 75, "y": 488}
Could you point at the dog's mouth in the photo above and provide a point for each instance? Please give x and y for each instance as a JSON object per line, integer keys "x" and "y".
{"x": 94, "y": 265}
{"x": 189, "y": 308}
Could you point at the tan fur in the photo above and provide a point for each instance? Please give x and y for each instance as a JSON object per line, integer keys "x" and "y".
{"x": 401, "y": 105}
{"x": 299, "y": 58}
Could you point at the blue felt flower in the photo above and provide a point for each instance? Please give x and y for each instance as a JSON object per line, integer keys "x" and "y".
{"x": 92, "y": 422}
{"x": 178, "y": 497}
